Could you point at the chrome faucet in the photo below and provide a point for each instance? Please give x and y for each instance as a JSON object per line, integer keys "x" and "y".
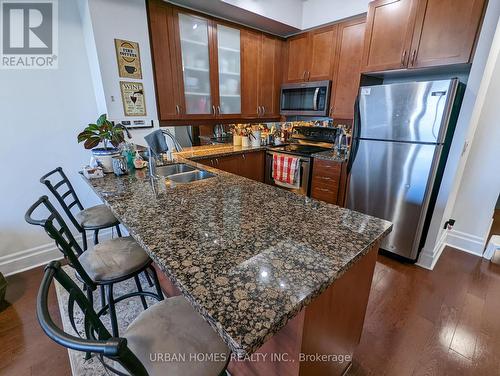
{"x": 152, "y": 157}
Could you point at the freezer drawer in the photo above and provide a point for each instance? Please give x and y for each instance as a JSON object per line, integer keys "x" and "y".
{"x": 392, "y": 180}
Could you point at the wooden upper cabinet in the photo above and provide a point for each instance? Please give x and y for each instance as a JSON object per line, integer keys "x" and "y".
{"x": 261, "y": 79}
{"x": 166, "y": 60}
{"x": 445, "y": 32}
{"x": 346, "y": 82}
{"x": 250, "y": 57}
{"x": 270, "y": 75}
{"x": 389, "y": 30}
{"x": 322, "y": 56}
{"x": 298, "y": 58}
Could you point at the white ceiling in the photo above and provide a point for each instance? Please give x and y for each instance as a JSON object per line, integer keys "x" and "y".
{"x": 281, "y": 17}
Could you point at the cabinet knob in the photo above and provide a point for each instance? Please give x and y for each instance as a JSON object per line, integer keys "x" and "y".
{"x": 403, "y": 58}
{"x": 413, "y": 55}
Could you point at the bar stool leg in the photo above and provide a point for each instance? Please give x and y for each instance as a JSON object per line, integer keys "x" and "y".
{"x": 139, "y": 288}
{"x": 112, "y": 310}
{"x": 148, "y": 278}
{"x": 96, "y": 237}
{"x": 84, "y": 240}
{"x": 118, "y": 231}
{"x": 103, "y": 297}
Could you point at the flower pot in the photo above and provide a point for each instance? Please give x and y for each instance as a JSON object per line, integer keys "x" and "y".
{"x": 236, "y": 140}
{"x": 256, "y": 138}
{"x": 245, "y": 141}
{"x": 105, "y": 157}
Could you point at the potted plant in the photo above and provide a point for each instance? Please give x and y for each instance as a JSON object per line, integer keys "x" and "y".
{"x": 236, "y": 130}
{"x": 105, "y": 132}
{"x": 247, "y": 136}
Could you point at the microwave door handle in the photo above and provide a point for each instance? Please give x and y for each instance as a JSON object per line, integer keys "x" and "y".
{"x": 315, "y": 99}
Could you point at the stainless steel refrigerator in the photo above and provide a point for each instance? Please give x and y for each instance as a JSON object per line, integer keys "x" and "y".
{"x": 401, "y": 139}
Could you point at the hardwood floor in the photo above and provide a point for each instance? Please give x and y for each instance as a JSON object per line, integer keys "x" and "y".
{"x": 444, "y": 322}
{"x": 25, "y": 349}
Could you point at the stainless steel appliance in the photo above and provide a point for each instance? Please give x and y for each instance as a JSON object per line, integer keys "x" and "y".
{"x": 402, "y": 136}
{"x": 304, "y": 142}
{"x": 305, "y": 98}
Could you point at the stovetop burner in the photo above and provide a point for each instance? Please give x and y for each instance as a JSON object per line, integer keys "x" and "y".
{"x": 304, "y": 150}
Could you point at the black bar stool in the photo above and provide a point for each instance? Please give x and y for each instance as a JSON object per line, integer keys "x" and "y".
{"x": 95, "y": 218}
{"x": 169, "y": 327}
{"x": 110, "y": 262}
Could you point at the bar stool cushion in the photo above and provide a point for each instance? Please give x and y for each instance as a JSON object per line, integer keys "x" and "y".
{"x": 113, "y": 259}
{"x": 96, "y": 217}
{"x": 173, "y": 328}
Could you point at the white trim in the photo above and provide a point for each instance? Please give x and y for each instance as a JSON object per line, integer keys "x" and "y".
{"x": 428, "y": 260}
{"x": 31, "y": 258}
{"x": 466, "y": 242}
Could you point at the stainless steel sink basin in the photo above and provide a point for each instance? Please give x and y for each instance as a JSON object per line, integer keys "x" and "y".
{"x": 189, "y": 177}
{"x": 173, "y": 169}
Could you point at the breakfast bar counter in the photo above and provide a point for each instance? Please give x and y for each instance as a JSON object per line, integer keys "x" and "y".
{"x": 251, "y": 257}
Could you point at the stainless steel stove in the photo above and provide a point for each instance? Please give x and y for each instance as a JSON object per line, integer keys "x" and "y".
{"x": 304, "y": 142}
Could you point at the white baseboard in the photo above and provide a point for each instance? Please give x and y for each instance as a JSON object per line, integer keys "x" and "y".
{"x": 428, "y": 260}
{"x": 41, "y": 255}
{"x": 466, "y": 242}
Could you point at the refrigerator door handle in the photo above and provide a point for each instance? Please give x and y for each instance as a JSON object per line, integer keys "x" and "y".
{"x": 355, "y": 134}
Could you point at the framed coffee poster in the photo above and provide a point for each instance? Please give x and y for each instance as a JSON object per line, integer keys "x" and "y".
{"x": 129, "y": 59}
{"x": 134, "y": 103}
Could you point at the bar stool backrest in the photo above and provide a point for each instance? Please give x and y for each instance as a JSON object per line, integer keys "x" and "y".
{"x": 59, "y": 185}
{"x": 58, "y": 230}
{"x": 95, "y": 337}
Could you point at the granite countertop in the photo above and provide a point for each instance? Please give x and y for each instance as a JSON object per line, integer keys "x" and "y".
{"x": 207, "y": 151}
{"x": 330, "y": 155}
{"x": 248, "y": 256}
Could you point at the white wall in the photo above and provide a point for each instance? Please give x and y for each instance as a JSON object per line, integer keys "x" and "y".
{"x": 318, "y": 12}
{"x": 285, "y": 11}
{"x": 42, "y": 112}
{"x": 110, "y": 19}
{"x": 480, "y": 184}
{"x": 437, "y": 237}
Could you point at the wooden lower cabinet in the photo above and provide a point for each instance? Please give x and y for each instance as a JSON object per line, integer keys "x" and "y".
{"x": 328, "y": 180}
{"x": 249, "y": 165}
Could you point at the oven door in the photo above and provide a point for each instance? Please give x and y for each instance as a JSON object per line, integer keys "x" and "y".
{"x": 304, "y": 174}
{"x": 307, "y": 98}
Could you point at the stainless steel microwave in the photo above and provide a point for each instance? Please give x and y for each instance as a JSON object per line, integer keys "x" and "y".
{"x": 306, "y": 98}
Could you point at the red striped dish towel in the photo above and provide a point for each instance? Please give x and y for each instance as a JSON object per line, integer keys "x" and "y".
{"x": 285, "y": 168}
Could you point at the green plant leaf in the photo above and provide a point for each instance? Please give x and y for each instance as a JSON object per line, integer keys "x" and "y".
{"x": 85, "y": 135}
{"x": 91, "y": 142}
{"x": 101, "y": 119}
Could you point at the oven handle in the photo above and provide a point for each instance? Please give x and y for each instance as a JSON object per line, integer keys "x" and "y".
{"x": 315, "y": 99}
{"x": 302, "y": 159}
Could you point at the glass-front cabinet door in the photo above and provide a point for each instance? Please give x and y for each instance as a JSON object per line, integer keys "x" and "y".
{"x": 194, "y": 42}
{"x": 228, "y": 54}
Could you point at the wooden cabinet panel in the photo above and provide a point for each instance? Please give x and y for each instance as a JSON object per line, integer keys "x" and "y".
{"x": 251, "y": 165}
{"x": 298, "y": 58}
{"x": 270, "y": 75}
{"x": 166, "y": 59}
{"x": 251, "y": 47}
{"x": 346, "y": 83}
{"x": 323, "y": 44}
{"x": 389, "y": 31}
{"x": 326, "y": 179}
{"x": 445, "y": 32}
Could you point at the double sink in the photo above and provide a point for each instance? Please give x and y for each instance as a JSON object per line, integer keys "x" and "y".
{"x": 182, "y": 173}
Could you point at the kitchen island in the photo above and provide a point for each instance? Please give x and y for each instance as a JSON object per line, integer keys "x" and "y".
{"x": 253, "y": 259}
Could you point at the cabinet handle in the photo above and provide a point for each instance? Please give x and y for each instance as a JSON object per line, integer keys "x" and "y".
{"x": 308, "y": 75}
{"x": 243, "y": 156}
{"x": 263, "y": 110}
{"x": 324, "y": 178}
{"x": 177, "y": 109}
{"x": 403, "y": 58}
{"x": 413, "y": 55}
{"x": 324, "y": 190}
{"x": 218, "y": 110}
{"x": 331, "y": 111}
{"x": 304, "y": 75}
{"x": 258, "y": 111}
{"x": 213, "y": 109}
{"x": 216, "y": 161}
